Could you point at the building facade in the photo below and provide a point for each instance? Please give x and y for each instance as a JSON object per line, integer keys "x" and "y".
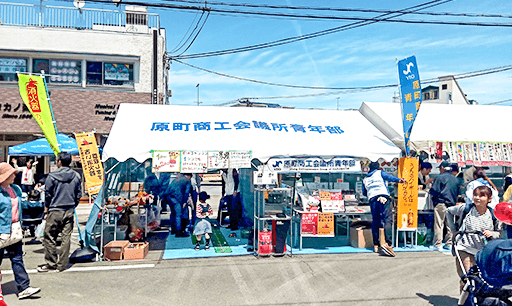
{"x": 92, "y": 61}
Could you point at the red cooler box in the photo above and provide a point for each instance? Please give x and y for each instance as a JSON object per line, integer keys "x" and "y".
{"x": 264, "y": 243}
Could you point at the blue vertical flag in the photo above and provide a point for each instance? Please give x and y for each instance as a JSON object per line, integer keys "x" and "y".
{"x": 410, "y": 89}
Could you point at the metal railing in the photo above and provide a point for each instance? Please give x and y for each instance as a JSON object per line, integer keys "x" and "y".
{"x": 63, "y": 17}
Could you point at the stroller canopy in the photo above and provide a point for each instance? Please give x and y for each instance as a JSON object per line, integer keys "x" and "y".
{"x": 495, "y": 262}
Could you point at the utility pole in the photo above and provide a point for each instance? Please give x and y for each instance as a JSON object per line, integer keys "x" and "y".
{"x": 337, "y": 103}
{"x": 198, "y": 95}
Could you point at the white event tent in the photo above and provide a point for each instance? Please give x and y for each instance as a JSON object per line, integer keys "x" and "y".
{"x": 267, "y": 132}
{"x": 442, "y": 122}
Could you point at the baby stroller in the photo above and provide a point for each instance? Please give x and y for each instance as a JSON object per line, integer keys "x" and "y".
{"x": 489, "y": 282}
{"x": 32, "y": 212}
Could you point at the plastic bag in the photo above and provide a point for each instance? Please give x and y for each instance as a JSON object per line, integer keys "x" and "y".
{"x": 39, "y": 232}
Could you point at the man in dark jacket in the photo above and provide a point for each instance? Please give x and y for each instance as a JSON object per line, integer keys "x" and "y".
{"x": 444, "y": 192}
{"x": 177, "y": 196}
{"x": 63, "y": 189}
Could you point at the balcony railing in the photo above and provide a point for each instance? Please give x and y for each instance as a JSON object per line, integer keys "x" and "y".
{"x": 63, "y": 17}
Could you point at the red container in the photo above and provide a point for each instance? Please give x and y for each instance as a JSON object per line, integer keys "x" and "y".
{"x": 264, "y": 243}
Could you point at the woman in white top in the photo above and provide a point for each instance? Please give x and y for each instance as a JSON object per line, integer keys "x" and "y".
{"x": 478, "y": 218}
{"x": 27, "y": 174}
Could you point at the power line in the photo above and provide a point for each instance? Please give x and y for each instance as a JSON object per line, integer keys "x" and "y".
{"x": 499, "y": 102}
{"x": 312, "y": 35}
{"x": 343, "y": 9}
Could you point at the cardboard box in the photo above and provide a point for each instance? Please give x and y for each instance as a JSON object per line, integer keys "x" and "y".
{"x": 114, "y": 250}
{"x": 361, "y": 236}
{"x": 137, "y": 250}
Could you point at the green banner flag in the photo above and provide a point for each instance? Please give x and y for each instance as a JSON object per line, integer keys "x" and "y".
{"x": 33, "y": 93}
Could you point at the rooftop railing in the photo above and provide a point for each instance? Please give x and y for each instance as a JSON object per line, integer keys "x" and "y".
{"x": 136, "y": 20}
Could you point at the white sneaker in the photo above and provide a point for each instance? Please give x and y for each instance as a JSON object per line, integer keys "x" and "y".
{"x": 28, "y": 292}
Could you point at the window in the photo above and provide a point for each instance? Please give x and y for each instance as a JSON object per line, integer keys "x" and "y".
{"x": 436, "y": 94}
{"x": 445, "y": 86}
{"x": 94, "y": 73}
{"x": 9, "y": 67}
{"x": 64, "y": 71}
{"x": 426, "y": 96}
{"x": 118, "y": 74}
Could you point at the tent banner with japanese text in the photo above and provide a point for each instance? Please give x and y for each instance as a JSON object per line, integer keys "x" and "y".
{"x": 33, "y": 93}
{"x": 410, "y": 89}
{"x": 91, "y": 161}
{"x": 407, "y": 208}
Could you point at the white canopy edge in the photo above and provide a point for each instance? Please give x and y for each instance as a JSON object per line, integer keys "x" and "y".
{"x": 140, "y": 128}
{"x": 441, "y": 122}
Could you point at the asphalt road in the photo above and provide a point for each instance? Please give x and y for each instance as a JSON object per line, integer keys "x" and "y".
{"x": 413, "y": 278}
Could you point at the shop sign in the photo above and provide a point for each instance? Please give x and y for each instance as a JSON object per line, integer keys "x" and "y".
{"x": 65, "y": 71}
{"x": 407, "y": 208}
{"x": 313, "y": 165}
{"x": 91, "y": 162}
{"x": 471, "y": 153}
{"x": 190, "y": 161}
{"x": 209, "y": 126}
{"x": 13, "y": 65}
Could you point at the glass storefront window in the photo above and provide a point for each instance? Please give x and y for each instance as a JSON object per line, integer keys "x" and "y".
{"x": 9, "y": 67}
{"x": 118, "y": 74}
{"x": 64, "y": 71}
{"x": 94, "y": 73}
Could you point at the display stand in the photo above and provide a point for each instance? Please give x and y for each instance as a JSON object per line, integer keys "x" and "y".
{"x": 262, "y": 215}
{"x": 406, "y": 232}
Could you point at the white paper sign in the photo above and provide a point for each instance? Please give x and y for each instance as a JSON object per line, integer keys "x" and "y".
{"x": 194, "y": 161}
{"x": 165, "y": 161}
{"x": 240, "y": 159}
{"x": 218, "y": 159}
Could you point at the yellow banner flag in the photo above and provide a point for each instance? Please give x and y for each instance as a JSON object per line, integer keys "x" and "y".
{"x": 91, "y": 163}
{"x": 33, "y": 93}
{"x": 407, "y": 208}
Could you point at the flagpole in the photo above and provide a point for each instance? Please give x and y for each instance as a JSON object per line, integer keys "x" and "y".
{"x": 51, "y": 109}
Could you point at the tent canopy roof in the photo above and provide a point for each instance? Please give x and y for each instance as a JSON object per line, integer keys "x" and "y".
{"x": 442, "y": 122}
{"x": 42, "y": 147}
{"x": 140, "y": 128}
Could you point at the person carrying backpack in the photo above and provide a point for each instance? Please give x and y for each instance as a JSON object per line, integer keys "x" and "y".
{"x": 470, "y": 218}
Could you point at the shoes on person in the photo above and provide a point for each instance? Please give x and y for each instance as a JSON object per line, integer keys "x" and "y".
{"x": 447, "y": 247}
{"x": 376, "y": 249}
{"x": 387, "y": 249}
{"x": 46, "y": 268}
{"x": 173, "y": 231}
{"x": 182, "y": 234}
{"x": 198, "y": 247}
{"x": 207, "y": 247}
{"x": 28, "y": 292}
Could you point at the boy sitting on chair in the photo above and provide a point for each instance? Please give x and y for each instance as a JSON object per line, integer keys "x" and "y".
{"x": 203, "y": 226}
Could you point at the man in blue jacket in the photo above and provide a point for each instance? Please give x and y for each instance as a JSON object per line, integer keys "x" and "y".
{"x": 63, "y": 189}
{"x": 380, "y": 204}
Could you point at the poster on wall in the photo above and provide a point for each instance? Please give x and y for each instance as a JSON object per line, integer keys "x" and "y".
{"x": 218, "y": 159}
{"x": 484, "y": 154}
{"x": 507, "y": 154}
{"x": 65, "y": 71}
{"x": 451, "y": 151}
{"x": 117, "y": 72}
{"x": 240, "y": 159}
{"x": 165, "y": 161}
{"x": 468, "y": 154}
{"x": 407, "y": 208}
{"x": 475, "y": 150}
{"x": 460, "y": 154}
{"x": 309, "y": 223}
{"x": 325, "y": 224}
{"x": 194, "y": 161}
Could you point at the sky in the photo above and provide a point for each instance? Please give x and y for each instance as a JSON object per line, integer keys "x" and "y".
{"x": 359, "y": 57}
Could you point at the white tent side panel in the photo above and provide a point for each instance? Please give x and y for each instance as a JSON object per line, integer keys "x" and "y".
{"x": 443, "y": 122}
{"x": 140, "y": 128}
